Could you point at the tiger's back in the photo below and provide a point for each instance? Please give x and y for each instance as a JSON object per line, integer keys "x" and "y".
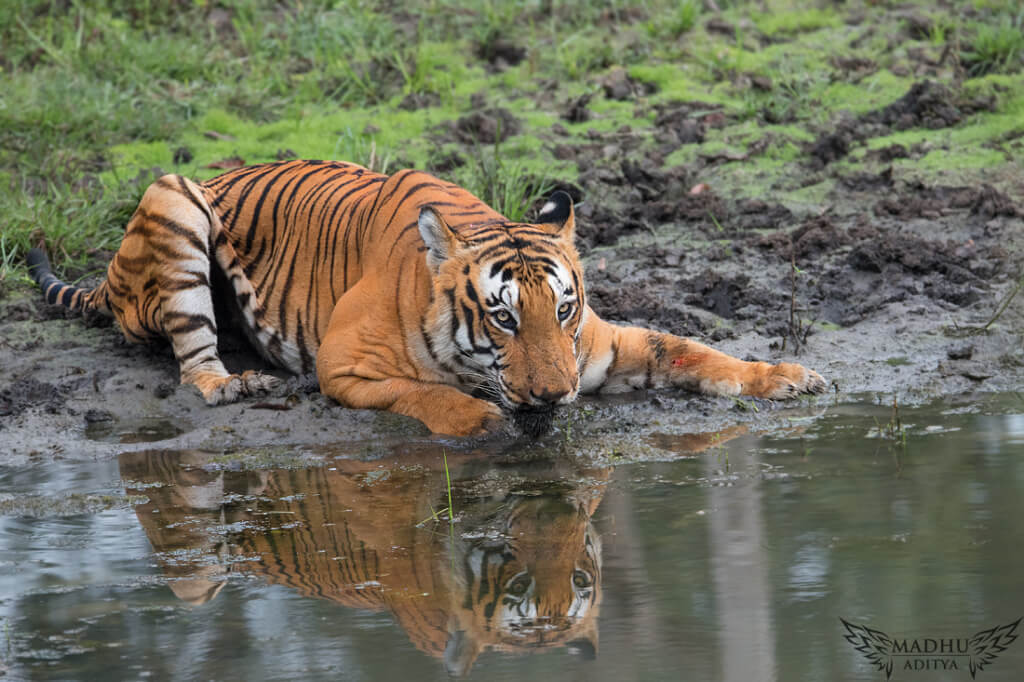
{"x": 286, "y": 239}
{"x": 303, "y": 233}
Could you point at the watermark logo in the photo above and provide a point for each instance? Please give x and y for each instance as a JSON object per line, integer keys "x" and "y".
{"x": 928, "y": 653}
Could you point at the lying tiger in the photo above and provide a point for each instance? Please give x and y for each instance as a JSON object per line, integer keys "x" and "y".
{"x": 404, "y": 292}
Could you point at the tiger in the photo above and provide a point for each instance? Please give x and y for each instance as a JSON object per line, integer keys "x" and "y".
{"x": 519, "y": 572}
{"x": 403, "y": 292}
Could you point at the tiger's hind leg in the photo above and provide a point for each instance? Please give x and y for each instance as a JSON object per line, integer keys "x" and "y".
{"x": 160, "y": 280}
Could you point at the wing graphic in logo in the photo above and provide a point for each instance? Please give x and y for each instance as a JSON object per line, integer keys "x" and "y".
{"x": 985, "y": 645}
{"x": 874, "y": 644}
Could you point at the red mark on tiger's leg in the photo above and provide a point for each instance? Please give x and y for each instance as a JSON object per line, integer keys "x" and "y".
{"x": 688, "y": 361}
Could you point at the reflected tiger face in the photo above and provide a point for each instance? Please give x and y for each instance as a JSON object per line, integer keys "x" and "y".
{"x": 534, "y": 581}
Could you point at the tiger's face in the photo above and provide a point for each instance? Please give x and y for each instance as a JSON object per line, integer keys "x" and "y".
{"x": 533, "y": 581}
{"x": 508, "y": 306}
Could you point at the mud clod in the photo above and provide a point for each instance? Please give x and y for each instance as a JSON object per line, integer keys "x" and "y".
{"x": 164, "y": 390}
{"x": 962, "y": 351}
{"x": 727, "y": 297}
{"x": 487, "y": 126}
{"x": 415, "y": 101}
{"x": 678, "y": 122}
{"x": 500, "y": 53}
{"x": 641, "y": 307}
{"x": 618, "y": 85}
{"x": 576, "y": 110}
{"x": 98, "y": 416}
{"x": 27, "y": 393}
{"x": 928, "y": 104}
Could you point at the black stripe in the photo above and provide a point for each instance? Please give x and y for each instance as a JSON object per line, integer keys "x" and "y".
{"x": 300, "y": 340}
{"x": 250, "y": 235}
{"x": 253, "y": 174}
{"x": 191, "y": 323}
{"x": 194, "y": 352}
{"x": 51, "y": 295}
{"x": 204, "y": 207}
{"x": 255, "y": 260}
{"x": 398, "y": 239}
{"x": 199, "y": 280}
{"x": 175, "y": 227}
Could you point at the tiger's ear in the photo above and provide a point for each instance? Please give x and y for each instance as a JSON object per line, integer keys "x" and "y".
{"x": 557, "y": 216}
{"x": 440, "y": 239}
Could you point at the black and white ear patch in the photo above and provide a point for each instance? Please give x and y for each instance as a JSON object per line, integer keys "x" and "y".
{"x": 557, "y": 209}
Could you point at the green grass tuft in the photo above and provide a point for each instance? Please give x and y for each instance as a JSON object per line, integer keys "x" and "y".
{"x": 96, "y": 95}
{"x": 997, "y": 48}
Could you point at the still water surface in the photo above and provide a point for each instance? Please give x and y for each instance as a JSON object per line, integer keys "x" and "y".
{"x": 723, "y": 556}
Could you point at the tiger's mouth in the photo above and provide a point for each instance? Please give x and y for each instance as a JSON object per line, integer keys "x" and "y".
{"x": 533, "y": 421}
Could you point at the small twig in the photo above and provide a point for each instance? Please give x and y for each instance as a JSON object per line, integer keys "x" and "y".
{"x": 794, "y": 327}
{"x": 718, "y": 225}
{"x": 792, "y": 288}
{"x": 1001, "y": 308}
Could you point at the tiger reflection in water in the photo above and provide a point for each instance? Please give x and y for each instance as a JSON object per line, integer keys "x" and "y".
{"x": 521, "y": 571}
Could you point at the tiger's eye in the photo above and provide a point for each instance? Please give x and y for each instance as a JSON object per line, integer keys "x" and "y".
{"x": 520, "y": 585}
{"x": 581, "y": 580}
{"x": 505, "y": 319}
{"x": 564, "y": 311}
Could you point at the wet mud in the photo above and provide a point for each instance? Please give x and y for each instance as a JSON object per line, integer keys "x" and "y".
{"x": 884, "y": 288}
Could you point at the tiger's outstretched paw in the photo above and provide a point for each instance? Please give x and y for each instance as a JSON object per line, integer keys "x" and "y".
{"x": 223, "y": 390}
{"x": 471, "y": 417}
{"x": 788, "y": 380}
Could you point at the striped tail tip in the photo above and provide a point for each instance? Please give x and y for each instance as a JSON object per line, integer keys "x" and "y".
{"x": 55, "y": 291}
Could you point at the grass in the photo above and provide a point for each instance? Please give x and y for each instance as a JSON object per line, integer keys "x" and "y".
{"x": 812, "y": 19}
{"x": 893, "y": 429}
{"x": 95, "y": 96}
{"x": 435, "y": 514}
{"x": 507, "y": 186}
{"x": 997, "y": 47}
{"x": 675, "y": 21}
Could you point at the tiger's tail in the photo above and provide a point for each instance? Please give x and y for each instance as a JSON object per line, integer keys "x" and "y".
{"x": 62, "y": 293}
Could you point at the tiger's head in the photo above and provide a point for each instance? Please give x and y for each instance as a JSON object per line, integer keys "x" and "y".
{"x": 508, "y": 305}
{"x": 528, "y": 580}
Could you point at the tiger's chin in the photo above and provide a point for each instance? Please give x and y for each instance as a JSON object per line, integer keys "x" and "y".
{"x": 533, "y": 422}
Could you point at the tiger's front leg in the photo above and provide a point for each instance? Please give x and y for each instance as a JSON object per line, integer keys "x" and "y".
{"x": 625, "y": 358}
{"x": 359, "y": 365}
{"x": 443, "y": 408}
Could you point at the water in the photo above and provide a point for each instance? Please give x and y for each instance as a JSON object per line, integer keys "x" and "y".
{"x": 723, "y": 556}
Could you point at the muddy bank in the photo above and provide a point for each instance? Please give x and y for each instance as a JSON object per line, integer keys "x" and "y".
{"x": 881, "y": 301}
{"x": 888, "y": 286}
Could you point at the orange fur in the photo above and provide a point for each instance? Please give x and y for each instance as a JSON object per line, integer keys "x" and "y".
{"x": 403, "y": 292}
{"x": 356, "y": 539}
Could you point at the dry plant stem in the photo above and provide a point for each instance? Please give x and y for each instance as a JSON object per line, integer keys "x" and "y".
{"x": 792, "y": 296}
{"x": 1001, "y": 308}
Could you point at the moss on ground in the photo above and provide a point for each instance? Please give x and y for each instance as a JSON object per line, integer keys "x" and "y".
{"x": 95, "y": 98}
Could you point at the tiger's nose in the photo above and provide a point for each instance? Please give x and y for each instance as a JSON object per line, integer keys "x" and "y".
{"x": 549, "y": 395}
